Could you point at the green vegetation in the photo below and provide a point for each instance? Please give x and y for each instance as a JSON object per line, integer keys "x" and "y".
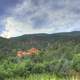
{"x": 58, "y": 58}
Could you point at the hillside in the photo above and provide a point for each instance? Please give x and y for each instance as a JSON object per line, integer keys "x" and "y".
{"x": 41, "y": 41}
{"x": 58, "y": 56}
{"x": 44, "y": 39}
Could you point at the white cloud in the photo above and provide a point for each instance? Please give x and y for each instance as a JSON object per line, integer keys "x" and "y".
{"x": 60, "y": 18}
{"x": 56, "y": 17}
{"x": 15, "y": 28}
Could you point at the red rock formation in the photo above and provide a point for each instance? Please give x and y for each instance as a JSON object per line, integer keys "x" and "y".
{"x": 21, "y": 53}
{"x": 30, "y": 52}
{"x": 33, "y": 50}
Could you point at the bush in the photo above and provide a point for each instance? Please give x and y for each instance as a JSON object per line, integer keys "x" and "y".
{"x": 76, "y": 62}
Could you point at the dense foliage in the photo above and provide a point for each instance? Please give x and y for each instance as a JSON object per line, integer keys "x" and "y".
{"x": 59, "y": 56}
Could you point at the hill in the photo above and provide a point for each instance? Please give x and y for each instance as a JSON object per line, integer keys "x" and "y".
{"x": 41, "y": 41}
{"x": 59, "y": 54}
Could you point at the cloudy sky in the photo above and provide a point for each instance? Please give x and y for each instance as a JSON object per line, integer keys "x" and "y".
{"x": 18, "y": 17}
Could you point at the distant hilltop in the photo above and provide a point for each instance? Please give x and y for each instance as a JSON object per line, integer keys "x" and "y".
{"x": 40, "y": 41}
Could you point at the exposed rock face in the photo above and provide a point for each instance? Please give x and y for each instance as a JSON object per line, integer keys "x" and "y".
{"x": 30, "y": 52}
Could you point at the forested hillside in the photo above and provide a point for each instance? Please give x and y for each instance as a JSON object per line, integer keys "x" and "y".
{"x": 59, "y": 54}
{"x": 41, "y": 41}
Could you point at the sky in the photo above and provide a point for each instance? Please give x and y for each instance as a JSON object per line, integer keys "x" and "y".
{"x": 19, "y": 17}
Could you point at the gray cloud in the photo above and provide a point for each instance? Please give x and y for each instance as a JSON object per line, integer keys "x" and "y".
{"x": 33, "y": 11}
{"x": 40, "y": 21}
{"x": 55, "y": 15}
